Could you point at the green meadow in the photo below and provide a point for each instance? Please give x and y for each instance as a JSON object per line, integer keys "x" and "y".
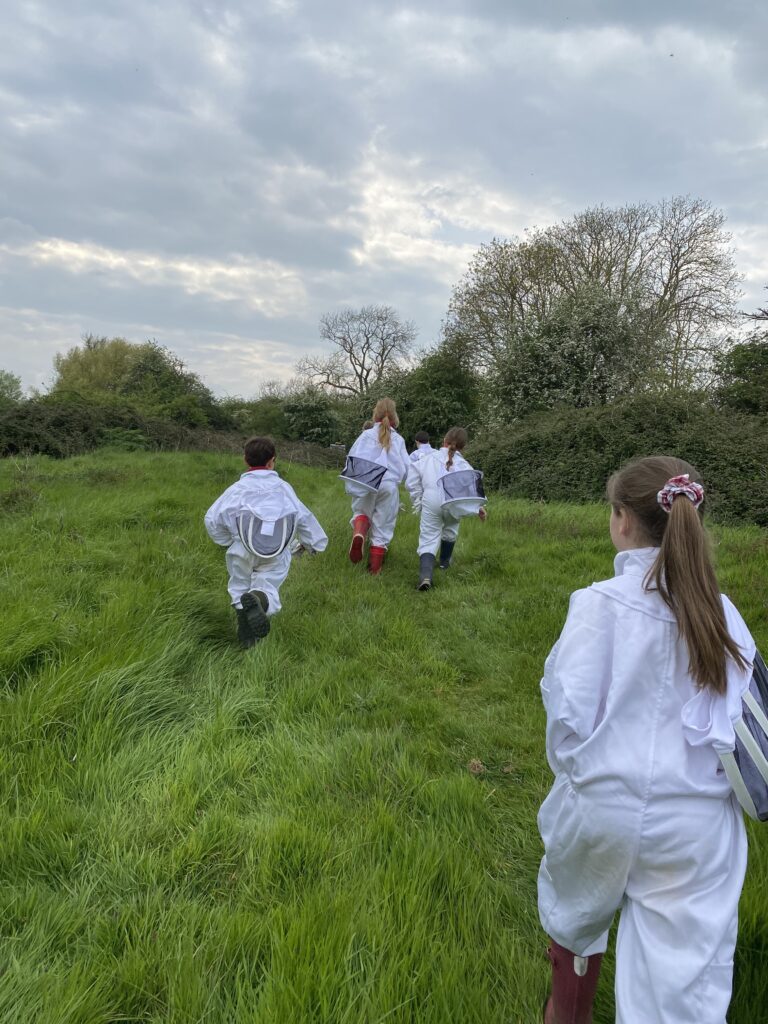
{"x": 338, "y": 826}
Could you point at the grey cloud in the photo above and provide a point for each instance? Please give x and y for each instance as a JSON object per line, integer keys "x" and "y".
{"x": 260, "y": 132}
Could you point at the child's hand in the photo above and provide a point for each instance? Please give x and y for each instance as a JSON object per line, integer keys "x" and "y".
{"x": 483, "y": 513}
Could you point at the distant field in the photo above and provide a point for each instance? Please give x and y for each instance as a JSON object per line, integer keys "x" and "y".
{"x": 191, "y": 833}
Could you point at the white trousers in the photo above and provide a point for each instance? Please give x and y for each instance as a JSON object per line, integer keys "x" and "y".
{"x": 675, "y": 867}
{"x": 436, "y": 524}
{"x": 249, "y": 573}
{"x": 381, "y": 507}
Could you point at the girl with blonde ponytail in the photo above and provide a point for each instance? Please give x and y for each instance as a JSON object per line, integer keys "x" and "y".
{"x": 376, "y": 464}
{"x": 641, "y": 692}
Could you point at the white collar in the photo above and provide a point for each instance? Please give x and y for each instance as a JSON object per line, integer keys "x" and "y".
{"x": 635, "y": 562}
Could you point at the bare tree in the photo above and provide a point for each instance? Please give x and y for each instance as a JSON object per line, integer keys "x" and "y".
{"x": 761, "y": 313}
{"x": 369, "y": 342}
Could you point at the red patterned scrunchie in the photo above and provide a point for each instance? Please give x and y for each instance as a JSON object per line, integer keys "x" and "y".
{"x": 680, "y": 485}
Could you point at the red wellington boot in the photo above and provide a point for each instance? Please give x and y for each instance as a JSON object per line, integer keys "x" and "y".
{"x": 375, "y": 559}
{"x": 360, "y": 527}
{"x": 574, "y": 983}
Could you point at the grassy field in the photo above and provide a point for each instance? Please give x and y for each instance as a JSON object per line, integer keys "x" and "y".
{"x": 338, "y": 826}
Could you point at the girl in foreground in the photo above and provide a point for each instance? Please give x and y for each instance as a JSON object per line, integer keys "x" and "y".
{"x": 377, "y": 510}
{"x": 640, "y": 692}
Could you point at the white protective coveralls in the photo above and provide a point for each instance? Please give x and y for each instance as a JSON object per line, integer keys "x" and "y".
{"x": 381, "y": 507}
{"x": 422, "y": 448}
{"x": 641, "y": 815}
{"x": 437, "y": 523}
{"x": 256, "y": 488}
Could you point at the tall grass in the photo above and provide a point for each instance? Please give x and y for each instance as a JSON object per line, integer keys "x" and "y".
{"x": 337, "y": 826}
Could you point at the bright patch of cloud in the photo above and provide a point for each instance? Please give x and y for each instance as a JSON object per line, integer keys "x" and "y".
{"x": 261, "y": 285}
{"x": 229, "y": 363}
{"x": 406, "y": 217}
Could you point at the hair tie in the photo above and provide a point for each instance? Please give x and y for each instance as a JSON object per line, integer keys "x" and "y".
{"x": 680, "y": 485}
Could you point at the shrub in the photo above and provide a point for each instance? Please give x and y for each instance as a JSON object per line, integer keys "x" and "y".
{"x": 310, "y": 416}
{"x": 568, "y": 454}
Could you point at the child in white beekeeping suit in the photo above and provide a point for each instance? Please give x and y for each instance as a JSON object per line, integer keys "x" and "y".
{"x": 259, "y": 519}
{"x": 376, "y": 464}
{"x": 641, "y": 692}
{"x": 427, "y": 483}
{"x": 423, "y": 447}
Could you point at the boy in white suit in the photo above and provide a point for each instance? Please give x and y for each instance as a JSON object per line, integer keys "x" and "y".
{"x": 258, "y": 519}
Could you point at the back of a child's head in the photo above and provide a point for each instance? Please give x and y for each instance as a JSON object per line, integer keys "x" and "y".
{"x": 422, "y": 437}
{"x": 385, "y": 414}
{"x": 258, "y": 451}
{"x": 455, "y": 441}
{"x": 666, "y": 498}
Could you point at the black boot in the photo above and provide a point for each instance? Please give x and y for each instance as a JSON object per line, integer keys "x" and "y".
{"x": 426, "y": 566}
{"x": 245, "y": 635}
{"x": 446, "y": 550}
{"x": 255, "y": 606}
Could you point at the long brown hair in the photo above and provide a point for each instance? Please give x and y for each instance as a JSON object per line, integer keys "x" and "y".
{"x": 454, "y": 441}
{"x": 683, "y": 572}
{"x": 385, "y": 414}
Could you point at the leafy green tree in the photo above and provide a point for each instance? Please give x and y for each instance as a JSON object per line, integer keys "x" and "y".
{"x": 440, "y": 393}
{"x": 589, "y": 349}
{"x": 10, "y": 388}
{"x": 146, "y": 375}
{"x": 669, "y": 264}
{"x": 99, "y": 365}
{"x": 743, "y": 376}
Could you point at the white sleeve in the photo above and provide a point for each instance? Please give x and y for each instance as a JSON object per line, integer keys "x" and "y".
{"x": 405, "y": 462}
{"x": 577, "y": 675}
{"x": 217, "y": 520}
{"x": 309, "y": 531}
{"x": 356, "y": 445}
{"x": 415, "y": 484}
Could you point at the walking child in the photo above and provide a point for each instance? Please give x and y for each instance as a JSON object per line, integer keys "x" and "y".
{"x": 257, "y": 519}
{"x": 422, "y": 446}
{"x": 442, "y": 507}
{"x": 376, "y": 464}
{"x": 641, "y": 692}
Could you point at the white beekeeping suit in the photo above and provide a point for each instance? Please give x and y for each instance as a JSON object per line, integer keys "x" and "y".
{"x": 640, "y": 815}
{"x": 422, "y": 448}
{"x": 437, "y": 523}
{"x": 380, "y": 507}
{"x": 260, "y": 491}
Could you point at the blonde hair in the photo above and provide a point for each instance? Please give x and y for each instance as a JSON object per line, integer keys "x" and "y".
{"x": 385, "y": 414}
{"x": 683, "y": 572}
{"x": 454, "y": 441}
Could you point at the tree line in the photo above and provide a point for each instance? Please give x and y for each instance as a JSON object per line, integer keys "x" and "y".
{"x": 609, "y": 305}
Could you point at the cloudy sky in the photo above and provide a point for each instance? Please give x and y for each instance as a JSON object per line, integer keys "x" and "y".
{"x": 216, "y": 175}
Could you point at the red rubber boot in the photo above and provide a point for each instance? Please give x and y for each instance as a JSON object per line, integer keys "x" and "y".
{"x": 574, "y": 983}
{"x": 375, "y": 559}
{"x": 360, "y": 527}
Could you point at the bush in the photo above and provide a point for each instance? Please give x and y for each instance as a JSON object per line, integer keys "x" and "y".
{"x": 258, "y": 416}
{"x": 310, "y": 416}
{"x": 568, "y": 454}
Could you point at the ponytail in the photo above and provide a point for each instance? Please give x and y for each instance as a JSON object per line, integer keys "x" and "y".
{"x": 683, "y": 573}
{"x": 385, "y": 433}
{"x": 454, "y": 441}
{"x": 385, "y": 414}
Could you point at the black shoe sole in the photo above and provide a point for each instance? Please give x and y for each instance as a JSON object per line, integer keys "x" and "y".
{"x": 425, "y": 585}
{"x": 256, "y": 616}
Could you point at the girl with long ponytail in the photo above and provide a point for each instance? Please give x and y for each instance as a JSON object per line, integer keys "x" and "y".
{"x": 641, "y": 692}
{"x": 376, "y": 509}
{"x": 439, "y": 522}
